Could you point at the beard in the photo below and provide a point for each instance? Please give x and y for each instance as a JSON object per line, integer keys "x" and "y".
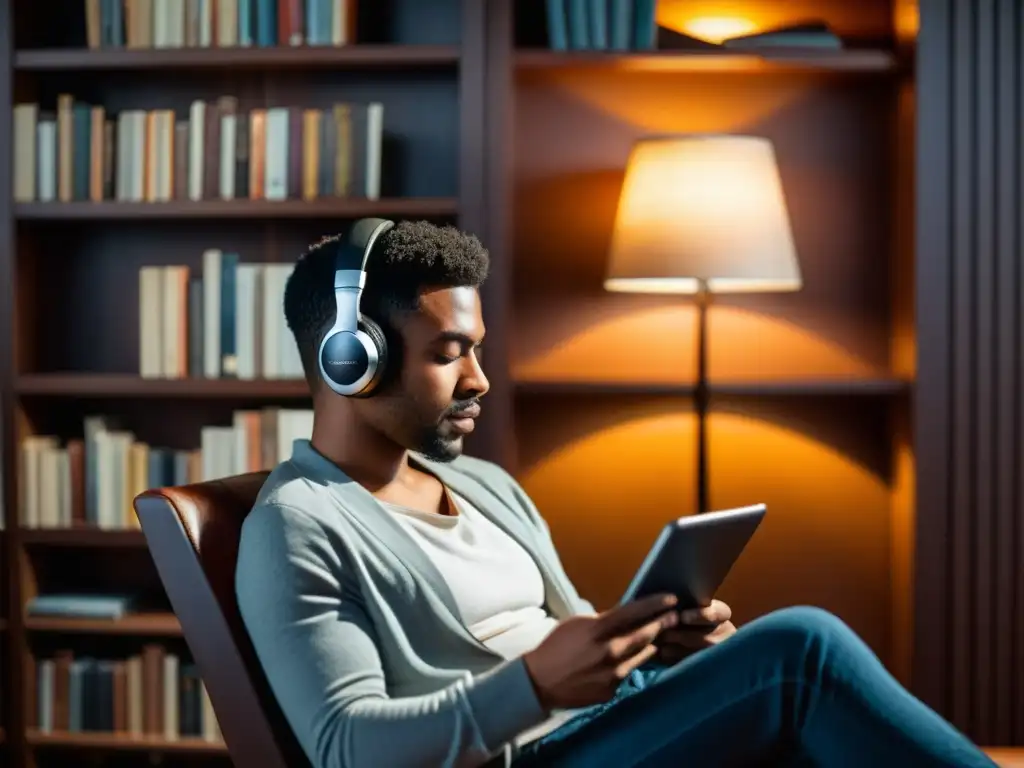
{"x": 436, "y": 447}
{"x": 436, "y": 442}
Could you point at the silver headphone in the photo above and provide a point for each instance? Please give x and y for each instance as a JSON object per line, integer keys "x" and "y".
{"x": 353, "y": 354}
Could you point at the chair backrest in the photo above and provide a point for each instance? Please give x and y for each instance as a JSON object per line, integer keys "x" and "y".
{"x": 193, "y": 532}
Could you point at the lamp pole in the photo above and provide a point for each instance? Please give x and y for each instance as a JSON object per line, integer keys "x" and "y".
{"x": 702, "y": 397}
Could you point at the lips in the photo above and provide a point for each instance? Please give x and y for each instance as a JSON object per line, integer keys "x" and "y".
{"x": 467, "y": 413}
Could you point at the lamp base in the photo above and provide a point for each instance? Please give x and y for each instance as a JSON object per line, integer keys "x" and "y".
{"x": 702, "y": 398}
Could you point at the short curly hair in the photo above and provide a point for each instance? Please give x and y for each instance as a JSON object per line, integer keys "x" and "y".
{"x": 409, "y": 257}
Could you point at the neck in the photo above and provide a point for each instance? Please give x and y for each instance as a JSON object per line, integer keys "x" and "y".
{"x": 363, "y": 453}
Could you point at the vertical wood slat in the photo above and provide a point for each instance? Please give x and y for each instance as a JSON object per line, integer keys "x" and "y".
{"x": 477, "y": 211}
{"x": 1007, "y": 350}
{"x": 963, "y": 187}
{"x": 13, "y": 686}
{"x": 969, "y": 613}
{"x": 1014, "y": 567}
{"x": 933, "y": 304}
{"x": 983, "y": 96}
{"x": 499, "y": 110}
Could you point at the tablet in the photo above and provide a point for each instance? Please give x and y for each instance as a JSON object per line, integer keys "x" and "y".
{"x": 694, "y": 554}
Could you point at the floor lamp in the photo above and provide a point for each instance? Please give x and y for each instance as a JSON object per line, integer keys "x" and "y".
{"x": 700, "y": 215}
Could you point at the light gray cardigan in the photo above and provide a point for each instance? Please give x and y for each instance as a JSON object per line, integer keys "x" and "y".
{"x": 357, "y": 632}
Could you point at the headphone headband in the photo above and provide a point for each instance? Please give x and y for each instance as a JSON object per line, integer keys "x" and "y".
{"x": 354, "y": 251}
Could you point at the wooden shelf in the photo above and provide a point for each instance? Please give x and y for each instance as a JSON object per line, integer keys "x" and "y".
{"x": 776, "y": 60}
{"x": 81, "y": 537}
{"x": 304, "y": 57}
{"x": 239, "y": 209}
{"x": 162, "y": 624}
{"x": 128, "y": 385}
{"x": 123, "y": 742}
{"x": 801, "y": 387}
{"x": 815, "y": 387}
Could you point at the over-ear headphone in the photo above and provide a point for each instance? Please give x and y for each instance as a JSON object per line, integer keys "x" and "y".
{"x": 354, "y": 355}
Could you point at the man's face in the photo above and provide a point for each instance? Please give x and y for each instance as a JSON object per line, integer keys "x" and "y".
{"x": 433, "y": 401}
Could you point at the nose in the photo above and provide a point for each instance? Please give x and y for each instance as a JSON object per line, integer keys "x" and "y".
{"x": 474, "y": 380}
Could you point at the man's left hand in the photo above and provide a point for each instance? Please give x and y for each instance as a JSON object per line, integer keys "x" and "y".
{"x": 698, "y": 628}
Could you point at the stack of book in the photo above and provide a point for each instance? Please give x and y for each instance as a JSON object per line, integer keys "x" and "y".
{"x": 219, "y": 151}
{"x": 226, "y": 322}
{"x": 92, "y": 481}
{"x": 218, "y": 23}
{"x": 152, "y": 693}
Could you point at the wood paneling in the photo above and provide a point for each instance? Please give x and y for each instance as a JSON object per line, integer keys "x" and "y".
{"x": 499, "y": 106}
{"x": 969, "y": 634}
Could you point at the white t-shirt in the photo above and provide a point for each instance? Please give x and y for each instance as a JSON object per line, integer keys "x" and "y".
{"x": 497, "y": 586}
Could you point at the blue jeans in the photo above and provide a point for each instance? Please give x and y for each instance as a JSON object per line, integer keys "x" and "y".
{"x": 794, "y": 688}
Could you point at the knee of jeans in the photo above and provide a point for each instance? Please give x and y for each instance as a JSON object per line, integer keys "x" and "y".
{"x": 806, "y": 622}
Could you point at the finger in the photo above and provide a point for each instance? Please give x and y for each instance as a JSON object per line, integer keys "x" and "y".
{"x": 623, "y": 647}
{"x": 614, "y": 621}
{"x": 715, "y": 613}
{"x": 634, "y": 661}
{"x": 722, "y": 632}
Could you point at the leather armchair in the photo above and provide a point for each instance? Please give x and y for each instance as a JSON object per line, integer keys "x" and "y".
{"x": 192, "y": 533}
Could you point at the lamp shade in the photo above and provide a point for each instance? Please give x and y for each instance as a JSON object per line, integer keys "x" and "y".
{"x": 702, "y": 211}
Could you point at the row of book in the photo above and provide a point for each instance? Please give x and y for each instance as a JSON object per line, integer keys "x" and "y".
{"x": 92, "y": 481}
{"x": 154, "y": 693}
{"x": 218, "y": 23}
{"x": 227, "y": 322}
{"x": 79, "y": 152}
{"x": 601, "y": 25}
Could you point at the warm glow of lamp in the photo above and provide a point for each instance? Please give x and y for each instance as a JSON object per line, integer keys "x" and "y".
{"x": 702, "y": 214}
{"x": 715, "y": 29}
{"x": 702, "y": 211}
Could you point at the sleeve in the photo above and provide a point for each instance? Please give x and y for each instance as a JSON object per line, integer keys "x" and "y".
{"x": 317, "y": 647}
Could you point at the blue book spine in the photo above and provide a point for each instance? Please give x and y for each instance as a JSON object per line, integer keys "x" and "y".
{"x": 621, "y": 24}
{"x": 228, "y": 300}
{"x": 266, "y": 23}
{"x": 558, "y": 32}
{"x": 245, "y": 36}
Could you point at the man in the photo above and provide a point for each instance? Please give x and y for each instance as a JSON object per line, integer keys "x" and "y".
{"x": 409, "y": 608}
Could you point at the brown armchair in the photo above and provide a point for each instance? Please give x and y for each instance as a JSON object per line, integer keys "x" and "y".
{"x": 192, "y": 533}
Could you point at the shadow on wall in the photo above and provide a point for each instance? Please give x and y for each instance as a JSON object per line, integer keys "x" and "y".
{"x": 826, "y": 540}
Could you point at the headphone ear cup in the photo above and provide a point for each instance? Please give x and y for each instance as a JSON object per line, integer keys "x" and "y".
{"x": 376, "y": 334}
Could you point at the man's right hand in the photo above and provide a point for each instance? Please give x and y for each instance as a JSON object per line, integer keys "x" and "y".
{"x": 585, "y": 658}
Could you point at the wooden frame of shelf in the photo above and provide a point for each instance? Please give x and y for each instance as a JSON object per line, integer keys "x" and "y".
{"x": 152, "y": 624}
{"x": 238, "y": 209}
{"x": 781, "y": 388}
{"x": 853, "y": 61}
{"x": 128, "y": 385}
{"x": 122, "y": 742}
{"x": 360, "y": 56}
{"x": 80, "y": 537}
{"x": 454, "y": 66}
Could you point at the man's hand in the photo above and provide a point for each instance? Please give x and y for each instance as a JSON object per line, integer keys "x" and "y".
{"x": 698, "y": 628}
{"x": 585, "y": 658}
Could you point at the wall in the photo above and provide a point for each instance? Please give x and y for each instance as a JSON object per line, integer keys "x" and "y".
{"x": 969, "y": 647}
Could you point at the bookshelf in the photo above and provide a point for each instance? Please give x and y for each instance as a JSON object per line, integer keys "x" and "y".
{"x": 812, "y": 393}
{"x": 487, "y": 127}
{"x": 72, "y": 346}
